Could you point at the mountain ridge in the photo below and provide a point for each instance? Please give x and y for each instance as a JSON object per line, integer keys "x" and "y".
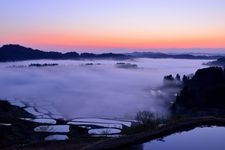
{"x": 15, "y": 52}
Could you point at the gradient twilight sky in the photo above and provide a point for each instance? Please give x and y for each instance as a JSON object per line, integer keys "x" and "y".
{"x": 98, "y": 24}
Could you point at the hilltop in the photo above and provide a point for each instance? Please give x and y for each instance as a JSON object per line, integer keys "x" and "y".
{"x": 17, "y": 52}
{"x": 14, "y": 52}
{"x": 204, "y": 92}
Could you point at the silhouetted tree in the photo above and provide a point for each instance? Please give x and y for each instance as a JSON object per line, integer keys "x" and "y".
{"x": 178, "y": 77}
{"x": 169, "y": 77}
{"x": 206, "y": 89}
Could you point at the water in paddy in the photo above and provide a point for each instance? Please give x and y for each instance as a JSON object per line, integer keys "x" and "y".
{"x": 207, "y": 138}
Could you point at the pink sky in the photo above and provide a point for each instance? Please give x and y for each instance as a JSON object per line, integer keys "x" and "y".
{"x": 98, "y": 24}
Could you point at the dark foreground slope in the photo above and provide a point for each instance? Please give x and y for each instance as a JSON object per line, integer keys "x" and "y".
{"x": 205, "y": 91}
{"x": 126, "y": 142}
{"x": 12, "y": 129}
{"x": 17, "y": 132}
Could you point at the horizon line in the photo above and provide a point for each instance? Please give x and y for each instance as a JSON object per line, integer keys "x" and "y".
{"x": 124, "y": 49}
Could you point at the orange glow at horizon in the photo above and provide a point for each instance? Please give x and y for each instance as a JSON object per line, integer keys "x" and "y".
{"x": 142, "y": 24}
{"x": 105, "y": 41}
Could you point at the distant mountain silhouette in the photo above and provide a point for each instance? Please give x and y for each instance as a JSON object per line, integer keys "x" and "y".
{"x": 14, "y": 52}
{"x": 17, "y": 52}
{"x": 176, "y": 56}
{"x": 218, "y": 62}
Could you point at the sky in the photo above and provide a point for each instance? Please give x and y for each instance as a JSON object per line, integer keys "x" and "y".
{"x": 66, "y": 25}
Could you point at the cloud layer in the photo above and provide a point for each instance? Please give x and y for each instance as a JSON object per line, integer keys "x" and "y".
{"x": 74, "y": 89}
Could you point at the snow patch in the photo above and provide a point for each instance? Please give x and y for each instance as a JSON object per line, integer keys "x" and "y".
{"x": 85, "y": 127}
{"x": 47, "y": 121}
{"x": 109, "y": 135}
{"x": 27, "y": 119}
{"x": 56, "y": 137}
{"x": 102, "y": 121}
{"x": 33, "y": 111}
{"x": 106, "y": 125}
{"x": 17, "y": 103}
{"x": 53, "y": 128}
{"x": 104, "y": 131}
{"x": 5, "y": 124}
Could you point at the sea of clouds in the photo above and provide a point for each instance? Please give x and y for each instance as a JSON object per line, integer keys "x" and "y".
{"x": 74, "y": 89}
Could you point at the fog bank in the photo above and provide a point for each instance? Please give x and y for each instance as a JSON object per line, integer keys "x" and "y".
{"x": 92, "y": 88}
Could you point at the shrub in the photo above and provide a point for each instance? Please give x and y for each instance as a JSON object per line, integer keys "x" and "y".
{"x": 145, "y": 117}
{"x": 146, "y": 121}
